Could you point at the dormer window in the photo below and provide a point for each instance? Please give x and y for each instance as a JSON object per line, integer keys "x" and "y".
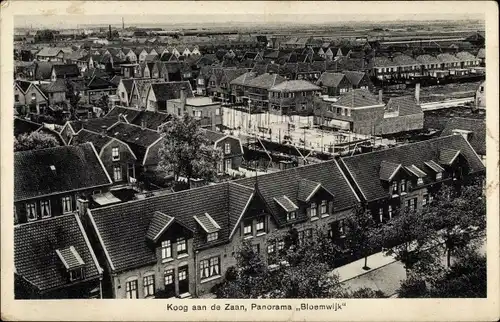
{"x": 324, "y": 207}
{"x": 420, "y": 181}
{"x": 116, "y": 154}
{"x": 76, "y": 274}
{"x": 403, "y": 185}
{"x": 72, "y": 262}
{"x": 247, "y": 228}
{"x": 260, "y": 225}
{"x": 181, "y": 246}
{"x": 394, "y": 188}
{"x": 212, "y": 236}
{"x": 166, "y": 249}
{"x": 439, "y": 175}
{"x": 313, "y": 210}
{"x": 291, "y": 215}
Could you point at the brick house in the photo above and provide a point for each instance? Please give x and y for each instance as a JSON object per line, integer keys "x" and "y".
{"x": 220, "y": 83}
{"x": 292, "y": 96}
{"x": 124, "y": 91}
{"x": 181, "y": 244}
{"x": 53, "y": 259}
{"x": 333, "y": 84}
{"x": 48, "y": 182}
{"x": 407, "y": 176}
{"x": 31, "y": 95}
{"x": 95, "y": 125}
{"x": 257, "y": 89}
{"x": 160, "y": 93}
{"x": 64, "y": 71}
{"x": 55, "y": 91}
{"x": 473, "y": 130}
{"x": 203, "y": 109}
{"x": 116, "y": 156}
{"x": 231, "y": 148}
{"x": 148, "y": 119}
{"x": 238, "y": 87}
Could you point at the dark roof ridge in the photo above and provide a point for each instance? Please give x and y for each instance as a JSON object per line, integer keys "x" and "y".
{"x": 54, "y": 148}
{"x": 46, "y": 219}
{"x": 396, "y": 147}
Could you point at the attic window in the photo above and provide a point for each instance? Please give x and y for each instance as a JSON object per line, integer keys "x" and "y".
{"x": 212, "y": 236}
{"x": 53, "y": 168}
{"x": 291, "y": 215}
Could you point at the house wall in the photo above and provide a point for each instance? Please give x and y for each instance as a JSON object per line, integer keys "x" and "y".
{"x": 122, "y": 94}
{"x": 400, "y": 124}
{"x": 39, "y": 100}
{"x": 19, "y": 97}
{"x": 126, "y": 158}
{"x": 82, "y": 290}
{"x": 236, "y": 155}
{"x": 94, "y": 95}
{"x": 365, "y": 120}
{"x": 57, "y": 97}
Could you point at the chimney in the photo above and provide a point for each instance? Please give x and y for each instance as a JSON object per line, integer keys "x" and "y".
{"x": 417, "y": 93}
{"x": 103, "y": 130}
{"x": 380, "y": 101}
{"x": 143, "y": 124}
{"x": 82, "y": 205}
{"x": 183, "y": 99}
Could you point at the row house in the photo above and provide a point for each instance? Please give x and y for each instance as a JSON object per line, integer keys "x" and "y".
{"x": 116, "y": 156}
{"x": 407, "y": 177}
{"x": 220, "y": 83}
{"x": 55, "y": 91}
{"x": 31, "y": 95}
{"x": 292, "y": 96}
{"x": 160, "y": 93}
{"x": 231, "y": 147}
{"x": 53, "y": 54}
{"x": 152, "y": 120}
{"x": 144, "y": 143}
{"x": 97, "y": 87}
{"x": 202, "y": 80}
{"x": 257, "y": 90}
{"x": 64, "y": 71}
{"x": 181, "y": 244}
{"x": 473, "y": 130}
{"x": 139, "y": 91}
{"x": 238, "y": 88}
{"x": 430, "y": 65}
{"x": 70, "y": 128}
{"x": 407, "y": 66}
{"x": 334, "y": 84}
{"x": 48, "y": 182}
{"x": 53, "y": 259}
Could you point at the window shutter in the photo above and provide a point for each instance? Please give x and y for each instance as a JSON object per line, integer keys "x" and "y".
{"x": 330, "y": 207}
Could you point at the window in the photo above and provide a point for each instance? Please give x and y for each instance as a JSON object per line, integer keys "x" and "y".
{"x": 166, "y": 249}
{"x": 212, "y": 236}
{"x": 403, "y": 185}
{"x": 117, "y": 173}
{"x": 247, "y": 227}
{"x": 381, "y": 214}
{"x": 116, "y": 154}
{"x": 341, "y": 228}
{"x": 131, "y": 289}
{"x": 313, "y": 210}
{"x": 390, "y": 212}
{"x": 256, "y": 248}
{"x": 425, "y": 200}
{"x": 227, "y": 148}
{"x": 271, "y": 249}
{"x": 45, "y": 208}
{"x": 197, "y": 113}
{"x": 439, "y": 176}
{"x": 281, "y": 246}
{"x": 31, "y": 211}
{"x": 259, "y": 227}
{"x": 291, "y": 215}
{"x": 324, "y": 208}
{"x": 16, "y": 97}
{"x": 33, "y": 96}
{"x": 76, "y": 274}
{"x": 179, "y": 111}
{"x": 123, "y": 94}
{"x": 217, "y": 111}
{"x": 181, "y": 245}
{"x": 209, "y": 267}
{"x": 420, "y": 181}
{"x": 66, "y": 204}
{"x": 149, "y": 285}
{"x": 169, "y": 277}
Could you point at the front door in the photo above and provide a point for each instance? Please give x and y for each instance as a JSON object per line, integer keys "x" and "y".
{"x": 183, "y": 280}
{"x": 169, "y": 283}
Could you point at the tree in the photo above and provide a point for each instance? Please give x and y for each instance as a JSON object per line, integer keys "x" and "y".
{"x": 364, "y": 293}
{"x": 457, "y": 217}
{"x": 187, "y": 152}
{"x": 73, "y": 96}
{"x": 104, "y": 103}
{"x": 360, "y": 237}
{"x": 406, "y": 237}
{"x": 34, "y": 141}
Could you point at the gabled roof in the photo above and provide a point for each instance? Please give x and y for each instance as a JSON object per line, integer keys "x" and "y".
{"x": 207, "y": 223}
{"x": 448, "y": 156}
{"x": 243, "y": 79}
{"x": 427, "y": 59}
{"x": 330, "y": 79}
{"x": 100, "y": 83}
{"x": 54, "y": 87}
{"x": 286, "y": 203}
{"x": 404, "y": 60}
{"x": 159, "y": 224}
{"x": 66, "y": 70}
{"x": 365, "y": 168}
{"x": 433, "y": 166}
{"x": 481, "y": 53}
{"x": 49, "y": 51}
{"x": 447, "y": 58}
{"x": 477, "y": 138}
{"x": 354, "y": 77}
{"x": 70, "y": 258}
{"x": 35, "y": 257}
{"x": 127, "y": 84}
{"x": 388, "y": 170}
{"x": 99, "y": 140}
{"x": 76, "y": 168}
{"x": 416, "y": 171}
{"x": 465, "y": 56}
{"x": 294, "y": 86}
{"x": 357, "y": 98}
{"x": 171, "y": 90}
{"x": 405, "y": 105}
{"x": 116, "y": 80}
{"x": 382, "y": 61}
{"x": 23, "y": 85}
{"x": 265, "y": 81}
{"x": 95, "y": 125}
{"x": 22, "y": 126}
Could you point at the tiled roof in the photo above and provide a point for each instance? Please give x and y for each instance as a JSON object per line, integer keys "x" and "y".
{"x": 357, "y": 98}
{"x": 151, "y": 120}
{"x": 481, "y": 53}
{"x": 100, "y": 83}
{"x": 447, "y": 58}
{"x": 129, "y": 113}
{"x": 116, "y": 80}
{"x": 35, "y": 245}
{"x": 57, "y": 170}
{"x": 127, "y": 84}
{"x": 24, "y": 85}
{"x": 136, "y": 137}
{"x": 97, "y": 139}
{"x": 243, "y": 79}
{"x": 388, "y": 170}
{"x": 405, "y": 105}
{"x": 294, "y": 86}
{"x": 306, "y": 188}
{"x": 448, "y": 156}
{"x": 207, "y": 223}
{"x": 265, "y": 81}
{"x": 354, "y": 77}
{"x": 478, "y": 128}
{"x": 66, "y": 70}
{"x": 286, "y": 203}
{"x": 213, "y": 136}
{"x": 158, "y": 224}
{"x": 70, "y": 257}
{"x": 43, "y": 70}
{"x": 95, "y": 125}
{"x": 365, "y": 168}
{"x": 171, "y": 90}
{"x": 416, "y": 171}
{"x": 58, "y": 86}
{"x": 465, "y": 56}
{"x": 49, "y": 51}
{"x": 287, "y": 183}
{"x": 404, "y": 60}
{"x": 330, "y": 79}
{"x": 427, "y": 59}
{"x": 382, "y": 61}
{"x": 22, "y": 126}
